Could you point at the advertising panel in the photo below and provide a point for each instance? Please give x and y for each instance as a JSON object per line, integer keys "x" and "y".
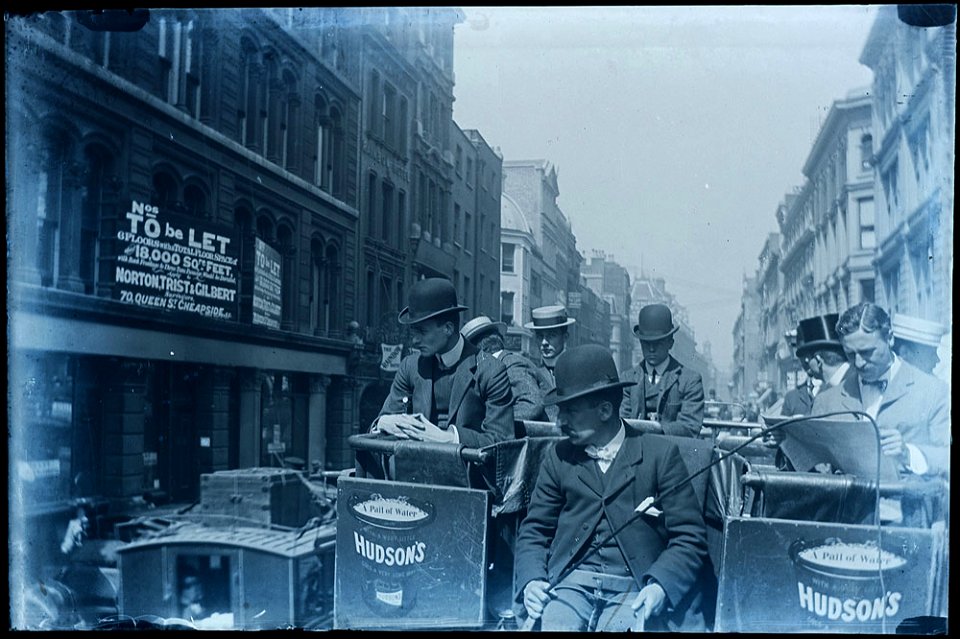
{"x": 787, "y": 576}
{"x": 176, "y": 263}
{"x": 266, "y": 285}
{"x": 409, "y": 555}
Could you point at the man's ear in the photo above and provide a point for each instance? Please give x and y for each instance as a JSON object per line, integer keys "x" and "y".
{"x": 605, "y": 409}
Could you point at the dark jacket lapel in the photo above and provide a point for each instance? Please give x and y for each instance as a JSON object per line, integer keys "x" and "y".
{"x": 463, "y": 378}
{"x": 671, "y": 376}
{"x": 586, "y": 472}
{"x": 621, "y": 472}
{"x": 423, "y": 387}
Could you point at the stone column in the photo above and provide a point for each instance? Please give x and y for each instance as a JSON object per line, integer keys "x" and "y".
{"x": 317, "y": 422}
{"x": 249, "y": 440}
{"x": 123, "y": 431}
{"x": 213, "y": 419}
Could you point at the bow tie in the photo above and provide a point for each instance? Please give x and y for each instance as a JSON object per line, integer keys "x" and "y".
{"x": 880, "y": 385}
{"x": 600, "y": 454}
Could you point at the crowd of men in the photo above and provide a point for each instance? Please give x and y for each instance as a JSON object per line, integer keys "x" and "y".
{"x": 584, "y": 558}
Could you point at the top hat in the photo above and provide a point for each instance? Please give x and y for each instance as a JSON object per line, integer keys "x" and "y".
{"x": 429, "y": 298}
{"x": 583, "y": 370}
{"x": 480, "y": 326}
{"x": 547, "y": 317}
{"x": 914, "y": 329}
{"x": 818, "y": 332}
{"x": 654, "y": 322}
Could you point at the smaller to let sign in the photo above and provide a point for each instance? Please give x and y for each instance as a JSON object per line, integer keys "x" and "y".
{"x": 409, "y": 555}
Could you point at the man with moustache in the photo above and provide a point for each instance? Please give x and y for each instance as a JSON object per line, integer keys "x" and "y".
{"x": 589, "y": 486}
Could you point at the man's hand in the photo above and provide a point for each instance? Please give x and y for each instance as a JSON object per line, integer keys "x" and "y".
{"x": 535, "y": 597}
{"x": 650, "y": 601}
{"x": 420, "y": 428}
{"x": 891, "y": 443}
{"x": 772, "y": 438}
{"x": 392, "y": 425}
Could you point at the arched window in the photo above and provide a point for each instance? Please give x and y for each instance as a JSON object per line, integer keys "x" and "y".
{"x": 289, "y": 115}
{"x": 866, "y": 151}
{"x": 288, "y": 293}
{"x": 195, "y": 200}
{"x": 53, "y": 186}
{"x": 374, "y": 121}
{"x": 99, "y": 179}
{"x": 333, "y": 309}
{"x": 318, "y": 294}
{"x": 270, "y": 106}
{"x": 336, "y": 153}
{"x": 249, "y": 86}
{"x": 321, "y": 157}
{"x": 164, "y": 190}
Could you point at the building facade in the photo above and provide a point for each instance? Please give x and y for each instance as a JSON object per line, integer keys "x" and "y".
{"x": 521, "y": 264}
{"x": 914, "y": 104}
{"x": 772, "y": 367}
{"x": 746, "y": 343}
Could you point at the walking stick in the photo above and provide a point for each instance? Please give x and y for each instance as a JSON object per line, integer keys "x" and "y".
{"x": 650, "y": 502}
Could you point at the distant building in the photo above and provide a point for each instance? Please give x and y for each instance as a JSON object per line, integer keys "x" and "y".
{"x": 521, "y": 264}
{"x": 612, "y": 282}
{"x": 773, "y": 366}
{"x": 746, "y": 343}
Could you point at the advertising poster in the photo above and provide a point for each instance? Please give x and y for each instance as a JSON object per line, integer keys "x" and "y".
{"x": 266, "y": 285}
{"x": 787, "y": 576}
{"x": 176, "y": 263}
{"x": 409, "y": 555}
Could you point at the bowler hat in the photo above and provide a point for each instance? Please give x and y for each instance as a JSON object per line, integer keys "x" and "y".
{"x": 429, "y": 298}
{"x": 547, "y": 317}
{"x": 480, "y": 326}
{"x": 818, "y": 332}
{"x": 583, "y": 370}
{"x": 914, "y": 329}
{"x": 654, "y": 322}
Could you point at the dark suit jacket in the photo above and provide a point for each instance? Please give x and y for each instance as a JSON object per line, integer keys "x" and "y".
{"x": 799, "y": 401}
{"x": 679, "y": 402}
{"x": 547, "y": 383}
{"x": 567, "y": 503}
{"x": 525, "y": 385}
{"x": 915, "y": 403}
{"x": 481, "y": 402}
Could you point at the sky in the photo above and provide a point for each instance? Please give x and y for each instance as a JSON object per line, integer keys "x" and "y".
{"x": 676, "y": 131}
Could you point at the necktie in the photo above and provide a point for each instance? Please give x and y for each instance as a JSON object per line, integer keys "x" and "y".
{"x": 653, "y": 377}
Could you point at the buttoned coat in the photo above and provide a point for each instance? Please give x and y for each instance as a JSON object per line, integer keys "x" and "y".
{"x": 679, "y": 400}
{"x": 528, "y": 398}
{"x": 567, "y": 504}
{"x": 915, "y": 403}
{"x": 481, "y": 402}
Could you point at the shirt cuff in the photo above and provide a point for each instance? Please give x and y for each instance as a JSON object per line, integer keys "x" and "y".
{"x": 916, "y": 462}
{"x": 456, "y": 434}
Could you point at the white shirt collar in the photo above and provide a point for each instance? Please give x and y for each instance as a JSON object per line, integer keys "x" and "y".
{"x": 608, "y": 452}
{"x": 451, "y": 357}
{"x": 661, "y": 368}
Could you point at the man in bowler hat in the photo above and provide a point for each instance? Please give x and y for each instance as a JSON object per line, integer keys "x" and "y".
{"x": 589, "y": 485}
{"x": 664, "y": 391}
{"x": 444, "y": 394}
{"x": 550, "y": 324}
{"x": 487, "y": 336}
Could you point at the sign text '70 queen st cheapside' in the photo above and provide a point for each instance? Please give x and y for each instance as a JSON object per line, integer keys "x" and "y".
{"x": 176, "y": 263}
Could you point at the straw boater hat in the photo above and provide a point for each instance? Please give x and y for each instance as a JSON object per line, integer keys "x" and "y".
{"x": 919, "y": 331}
{"x": 654, "y": 322}
{"x": 547, "y": 317}
{"x": 429, "y": 298}
{"x": 818, "y": 332}
{"x": 583, "y": 370}
{"x": 480, "y": 326}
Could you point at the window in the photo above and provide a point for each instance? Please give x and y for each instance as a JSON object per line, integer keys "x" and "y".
{"x": 288, "y": 291}
{"x": 249, "y": 79}
{"x": 890, "y": 189}
{"x": 468, "y": 222}
{"x": 96, "y": 193}
{"x": 288, "y": 121}
{"x": 388, "y": 223}
{"x": 457, "y": 239}
{"x": 373, "y": 90}
{"x": 458, "y": 161}
{"x": 164, "y": 191}
{"x": 321, "y": 157}
{"x": 506, "y": 307}
{"x": 403, "y": 127}
{"x": 401, "y": 216}
{"x": 317, "y": 293}
{"x": 194, "y": 199}
{"x": 866, "y": 291}
{"x": 506, "y": 257}
{"x": 868, "y": 235}
{"x": 866, "y": 152}
{"x": 470, "y": 172}
{"x": 389, "y": 117}
{"x": 372, "y": 319}
{"x": 372, "y": 194}
{"x": 336, "y": 155}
